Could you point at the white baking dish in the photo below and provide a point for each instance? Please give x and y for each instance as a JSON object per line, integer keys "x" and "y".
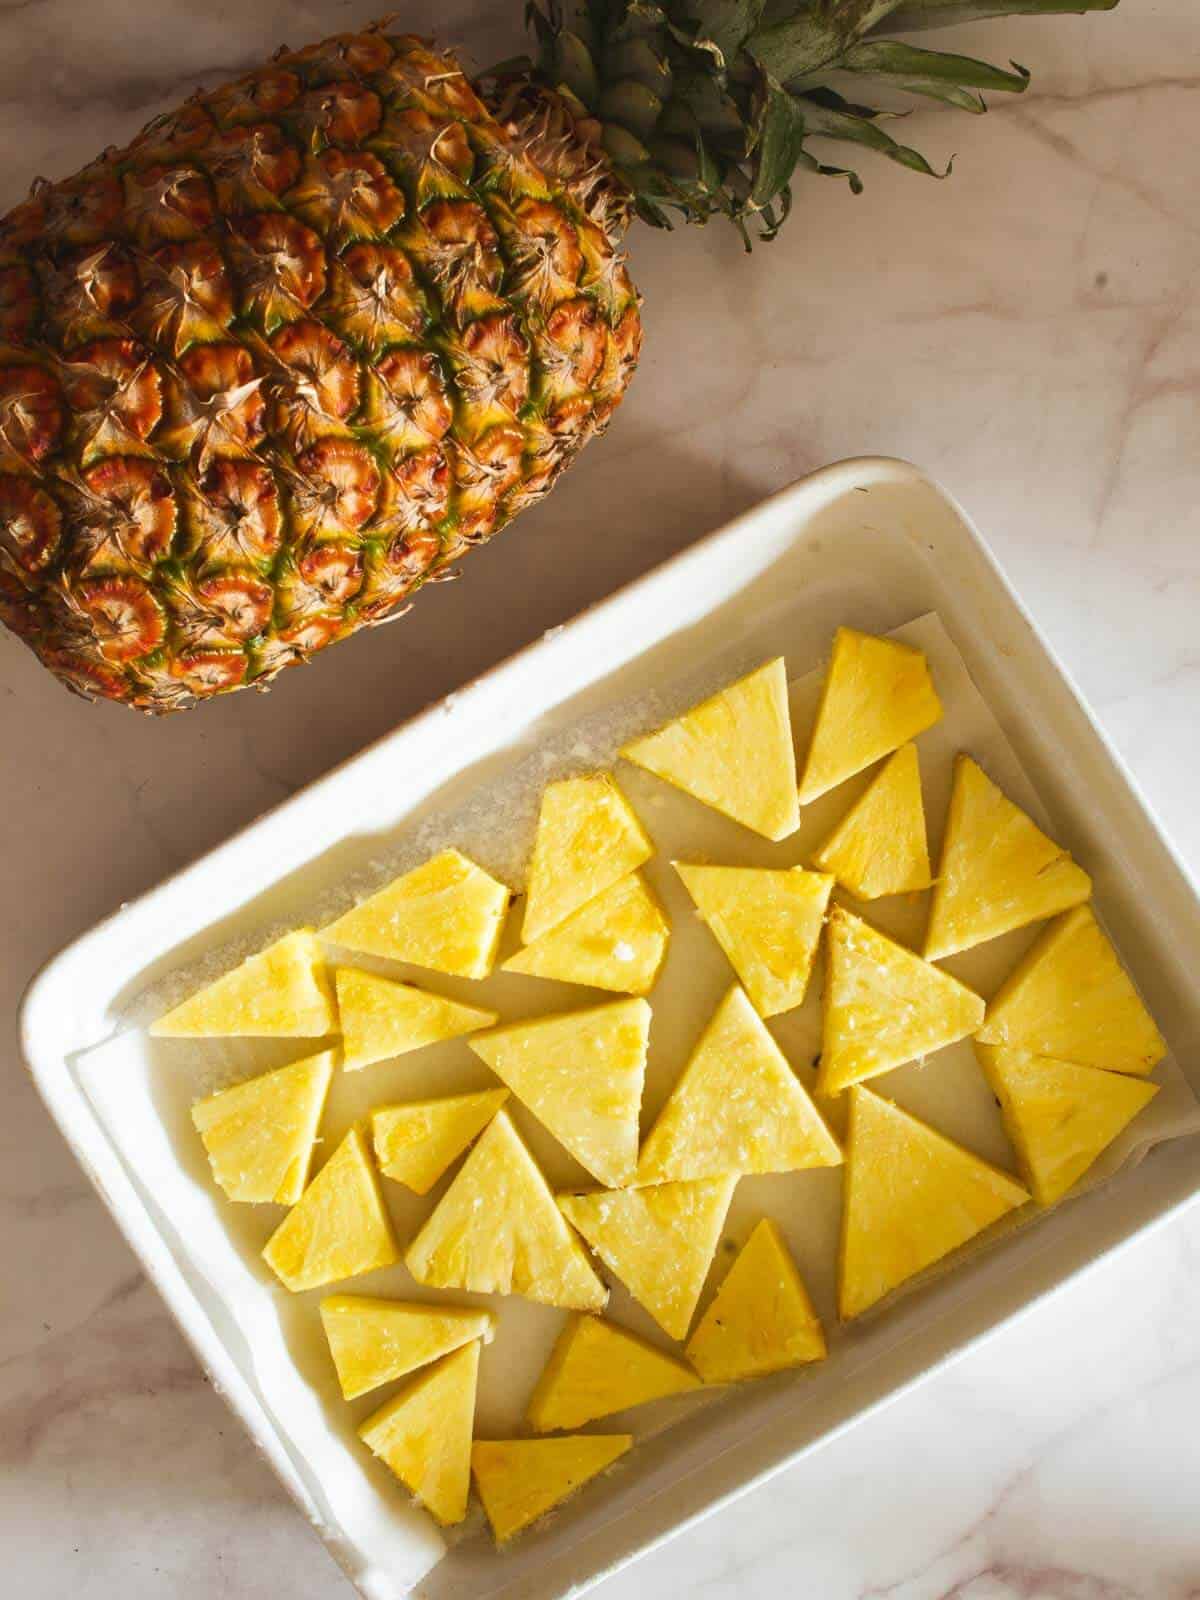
{"x": 872, "y": 543}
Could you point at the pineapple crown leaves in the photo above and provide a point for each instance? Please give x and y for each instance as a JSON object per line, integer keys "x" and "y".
{"x": 707, "y": 107}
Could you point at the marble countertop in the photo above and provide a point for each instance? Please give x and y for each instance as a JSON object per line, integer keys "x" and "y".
{"x": 1028, "y": 331}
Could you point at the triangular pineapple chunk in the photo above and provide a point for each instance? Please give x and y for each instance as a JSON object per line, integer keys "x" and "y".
{"x": 581, "y": 1076}
{"x": 1071, "y": 998}
{"x": 283, "y": 992}
{"x": 761, "y": 1319}
{"x": 496, "y": 1230}
{"x": 338, "y": 1228}
{"x": 737, "y": 1107}
{"x": 424, "y": 1434}
{"x": 415, "y": 1143}
{"x": 912, "y": 1196}
{"x": 884, "y": 1005}
{"x": 259, "y": 1134}
{"x": 879, "y": 846}
{"x": 877, "y": 696}
{"x": 734, "y": 752}
{"x": 768, "y": 921}
{"x": 998, "y": 870}
{"x": 659, "y": 1241}
{"x": 446, "y": 914}
{"x": 597, "y": 1368}
{"x": 587, "y": 839}
{"x": 617, "y": 941}
{"x": 519, "y": 1480}
{"x": 1060, "y": 1117}
{"x": 382, "y": 1018}
{"x": 373, "y": 1341}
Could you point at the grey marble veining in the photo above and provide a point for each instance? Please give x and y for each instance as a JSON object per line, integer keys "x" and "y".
{"x": 1029, "y": 331}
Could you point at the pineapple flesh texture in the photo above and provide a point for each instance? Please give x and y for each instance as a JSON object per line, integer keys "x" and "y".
{"x": 446, "y": 914}
{"x": 734, "y": 752}
{"x": 659, "y": 1241}
{"x": 617, "y": 942}
{"x": 496, "y": 1230}
{"x": 1060, "y": 1117}
{"x": 301, "y": 344}
{"x": 415, "y": 1143}
{"x": 767, "y": 921}
{"x": 338, "y": 1228}
{"x": 998, "y": 870}
{"x": 381, "y": 1018}
{"x": 1070, "y": 998}
{"x": 877, "y": 696}
{"x": 912, "y": 1197}
{"x": 879, "y": 847}
{"x": 761, "y": 1319}
{"x": 736, "y": 1108}
{"x": 597, "y": 1368}
{"x": 581, "y": 1075}
{"x": 283, "y": 992}
{"x": 588, "y": 838}
{"x": 373, "y": 1341}
{"x": 884, "y": 1005}
{"x": 259, "y": 1134}
{"x": 519, "y": 1480}
{"x": 424, "y": 1434}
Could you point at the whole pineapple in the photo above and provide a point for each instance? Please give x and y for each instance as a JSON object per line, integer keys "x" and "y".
{"x": 290, "y": 353}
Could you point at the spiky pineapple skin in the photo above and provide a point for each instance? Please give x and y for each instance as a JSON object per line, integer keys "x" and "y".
{"x": 287, "y": 356}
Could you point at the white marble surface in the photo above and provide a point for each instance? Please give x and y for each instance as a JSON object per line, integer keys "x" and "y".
{"x": 1029, "y": 331}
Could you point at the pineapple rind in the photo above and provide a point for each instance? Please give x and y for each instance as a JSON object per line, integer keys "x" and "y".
{"x": 734, "y": 752}
{"x": 616, "y": 941}
{"x": 373, "y": 1341}
{"x": 382, "y": 1018}
{"x": 282, "y": 992}
{"x": 424, "y": 1434}
{"x": 259, "y": 1134}
{"x": 416, "y": 1142}
{"x": 597, "y": 1368}
{"x": 588, "y": 838}
{"x": 877, "y": 695}
{"x": 736, "y": 1108}
{"x": 879, "y": 847}
{"x": 1071, "y": 998}
{"x": 519, "y": 1480}
{"x": 912, "y": 1197}
{"x": 338, "y": 1228}
{"x": 768, "y": 921}
{"x": 761, "y": 1319}
{"x": 998, "y": 870}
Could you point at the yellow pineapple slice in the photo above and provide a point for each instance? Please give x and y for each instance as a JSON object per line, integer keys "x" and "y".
{"x": 424, "y": 1434}
{"x": 587, "y": 839}
{"x": 519, "y": 1480}
{"x": 1070, "y": 998}
{"x": 998, "y": 870}
{"x": 617, "y": 941}
{"x": 496, "y": 1230}
{"x": 338, "y": 1228}
{"x": 877, "y": 696}
{"x": 415, "y": 1143}
{"x": 283, "y": 992}
{"x": 761, "y": 1319}
{"x": 884, "y": 1005}
{"x": 659, "y": 1241}
{"x": 382, "y": 1018}
{"x": 581, "y": 1075}
{"x": 373, "y": 1341}
{"x": 912, "y": 1196}
{"x": 734, "y": 751}
{"x": 768, "y": 921}
{"x": 737, "y": 1107}
{"x": 259, "y": 1134}
{"x": 879, "y": 846}
{"x": 1060, "y": 1117}
{"x": 446, "y": 914}
{"x": 597, "y": 1368}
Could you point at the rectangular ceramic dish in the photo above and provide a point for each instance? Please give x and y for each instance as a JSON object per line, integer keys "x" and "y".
{"x": 872, "y": 543}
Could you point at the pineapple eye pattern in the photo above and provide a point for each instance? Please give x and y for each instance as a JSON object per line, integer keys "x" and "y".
{"x": 277, "y": 362}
